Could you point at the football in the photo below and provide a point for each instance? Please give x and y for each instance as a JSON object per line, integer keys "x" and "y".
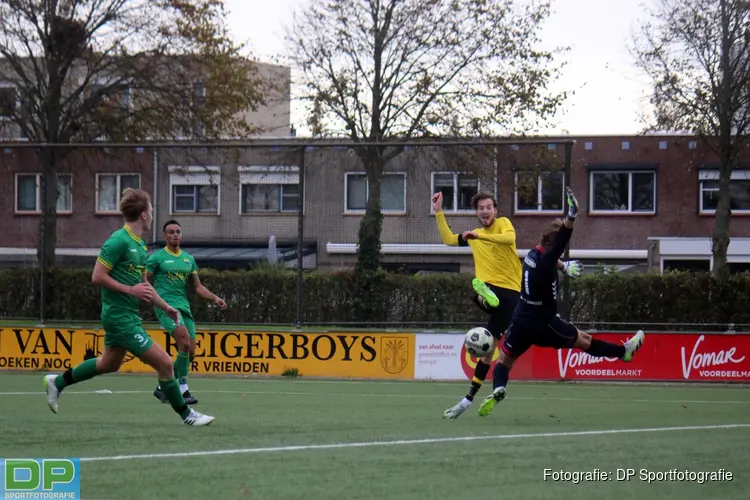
{"x": 479, "y": 342}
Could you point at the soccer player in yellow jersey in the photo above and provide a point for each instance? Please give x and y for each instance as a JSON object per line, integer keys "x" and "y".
{"x": 498, "y": 275}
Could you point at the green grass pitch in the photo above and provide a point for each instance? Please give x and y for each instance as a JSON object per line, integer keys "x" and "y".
{"x": 316, "y": 439}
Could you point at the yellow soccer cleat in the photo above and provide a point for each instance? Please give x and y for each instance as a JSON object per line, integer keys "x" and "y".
{"x": 490, "y": 401}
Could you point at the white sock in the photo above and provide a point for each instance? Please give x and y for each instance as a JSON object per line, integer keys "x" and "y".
{"x": 465, "y": 403}
{"x": 183, "y": 388}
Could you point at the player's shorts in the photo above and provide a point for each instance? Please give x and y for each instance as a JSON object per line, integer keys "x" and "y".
{"x": 502, "y": 315}
{"x": 130, "y": 336}
{"x": 556, "y": 334}
{"x": 169, "y": 325}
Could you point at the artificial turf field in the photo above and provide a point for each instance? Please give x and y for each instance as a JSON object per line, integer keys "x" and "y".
{"x": 308, "y": 439}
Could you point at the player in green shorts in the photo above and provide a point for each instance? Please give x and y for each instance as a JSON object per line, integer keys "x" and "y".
{"x": 120, "y": 271}
{"x": 174, "y": 271}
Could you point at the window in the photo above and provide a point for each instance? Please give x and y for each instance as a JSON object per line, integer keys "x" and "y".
{"x": 29, "y": 193}
{"x": 392, "y": 192}
{"x": 7, "y": 100}
{"x": 739, "y": 191}
{"x": 194, "y": 189}
{"x": 738, "y": 267}
{"x": 109, "y": 188}
{"x": 457, "y": 189}
{"x": 543, "y": 192}
{"x": 690, "y": 265}
{"x": 269, "y": 189}
{"x": 112, "y": 92}
{"x": 618, "y": 192}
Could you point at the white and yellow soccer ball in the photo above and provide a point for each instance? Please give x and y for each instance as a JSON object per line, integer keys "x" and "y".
{"x": 479, "y": 342}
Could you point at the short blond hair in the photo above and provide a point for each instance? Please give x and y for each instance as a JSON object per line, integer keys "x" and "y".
{"x": 133, "y": 203}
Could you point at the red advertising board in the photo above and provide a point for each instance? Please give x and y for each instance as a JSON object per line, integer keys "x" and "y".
{"x": 663, "y": 357}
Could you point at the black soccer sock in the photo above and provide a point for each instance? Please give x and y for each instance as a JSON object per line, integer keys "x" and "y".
{"x": 480, "y": 373}
{"x": 602, "y": 349}
{"x": 500, "y": 376}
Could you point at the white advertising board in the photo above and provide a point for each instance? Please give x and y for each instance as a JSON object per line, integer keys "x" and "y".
{"x": 438, "y": 356}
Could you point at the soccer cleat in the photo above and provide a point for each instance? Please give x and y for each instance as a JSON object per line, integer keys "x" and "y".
{"x": 484, "y": 291}
{"x": 159, "y": 394}
{"x": 53, "y": 393}
{"x": 490, "y": 401}
{"x": 633, "y": 344}
{"x": 455, "y": 411}
{"x": 189, "y": 398}
{"x": 197, "y": 419}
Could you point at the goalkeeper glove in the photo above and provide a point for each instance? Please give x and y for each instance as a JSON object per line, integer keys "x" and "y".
{"x": 572, "y": 204}
{"x": 574, "y": 268}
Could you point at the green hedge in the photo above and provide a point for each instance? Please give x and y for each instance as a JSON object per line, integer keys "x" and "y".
{"x": 268, "y": 295}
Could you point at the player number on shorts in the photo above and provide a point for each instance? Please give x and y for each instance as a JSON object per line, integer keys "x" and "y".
{"x": 140, "y": 338}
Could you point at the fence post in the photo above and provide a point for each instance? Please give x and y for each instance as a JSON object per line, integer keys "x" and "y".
{"x": 300, "y": 235}
{"x": 42, "y": 250}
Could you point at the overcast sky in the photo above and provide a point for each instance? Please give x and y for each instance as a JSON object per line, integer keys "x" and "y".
{"x": 610, "y": 95}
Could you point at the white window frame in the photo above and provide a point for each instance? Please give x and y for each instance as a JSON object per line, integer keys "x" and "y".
{"x": 10, "y": 85}
{"x": 539, "y": 209}
{"x": 105, "y": 82}
{"x": 367, "y": 196}
{"x": 38, "y": 209}
{"x": 275, "y": 175}
{"x": 119, "y": 188}
{"x": 195, "y": 176}
{"x": 630, "y": 210}
{"x": 713, "y": 175}
{"x": 455, "y": 209}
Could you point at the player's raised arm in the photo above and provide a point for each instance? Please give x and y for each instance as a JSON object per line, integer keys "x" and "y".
{"x": 558, "y": 236}
{"x": 445, "y": 231}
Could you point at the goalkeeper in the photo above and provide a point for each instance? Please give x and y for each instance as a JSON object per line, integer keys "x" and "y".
{"x": 498, "y": 275}
{"x": 536, "y": 322}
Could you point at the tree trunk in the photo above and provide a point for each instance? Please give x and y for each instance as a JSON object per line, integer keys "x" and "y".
{"x": 368, "y": 277}
{"x": 47, "y": 241}
{"x": 720, "y": 238}
{"x": 371, "y": 226}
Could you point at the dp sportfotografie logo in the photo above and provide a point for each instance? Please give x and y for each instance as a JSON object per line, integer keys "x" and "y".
{"x": 40, "y": 478}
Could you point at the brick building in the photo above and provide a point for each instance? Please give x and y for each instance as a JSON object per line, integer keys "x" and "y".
{"x": 647, "y": 200}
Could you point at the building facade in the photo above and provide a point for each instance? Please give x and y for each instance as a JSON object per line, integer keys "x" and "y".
{"x": 648, "y": 202}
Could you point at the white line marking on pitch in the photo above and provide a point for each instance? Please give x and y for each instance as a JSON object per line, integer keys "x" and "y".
{"x": 386, "y": 395}
{"x": 406, "y": 442}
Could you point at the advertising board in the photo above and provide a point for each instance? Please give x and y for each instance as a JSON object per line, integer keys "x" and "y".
{"x": 664, "y": 357}
{"x": 335, "y": 354}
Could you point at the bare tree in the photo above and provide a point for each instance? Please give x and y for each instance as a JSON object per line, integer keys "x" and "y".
{"x": 695, "y": 52}
{"x": 379, "y": 70}
{"x": 86, "y": 70}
